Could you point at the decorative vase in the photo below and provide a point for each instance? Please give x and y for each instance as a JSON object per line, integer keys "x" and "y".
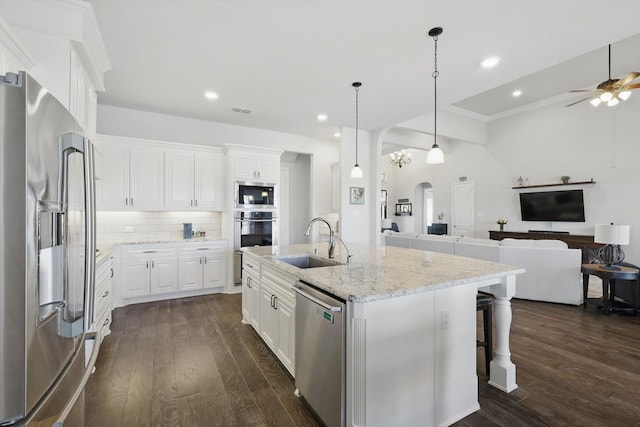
{"x": 501, "y": 227}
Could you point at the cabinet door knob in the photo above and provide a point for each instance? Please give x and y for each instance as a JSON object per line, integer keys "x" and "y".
{"x": 147, "y": 264}
{"x": 275, "y": 302}
{"x": 126, "y": 201}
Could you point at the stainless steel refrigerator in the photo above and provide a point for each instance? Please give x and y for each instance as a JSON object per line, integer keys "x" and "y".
{"x": 47, "y": 257}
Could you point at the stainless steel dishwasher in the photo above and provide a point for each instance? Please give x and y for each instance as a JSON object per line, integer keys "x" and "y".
{"x": 320, "y": 353}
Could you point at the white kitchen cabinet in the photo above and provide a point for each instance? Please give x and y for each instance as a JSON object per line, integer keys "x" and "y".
{"x": 268, "y": 316}
{"x": 103, "y": 298}
{"x": 251, "y": 292}
{"x": 157, "y": 271}
{"x": 83, "y": 100}
{"x": 149, "y": 270}
{"x": 130, "y": 177}
{"x": 193, "y": 180}
{"x": 277, "y": 314}
{"x": 202, "y": 265}
{"x": 255, "y": 165}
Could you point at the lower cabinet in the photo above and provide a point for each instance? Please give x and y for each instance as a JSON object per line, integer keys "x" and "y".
{"x": 251, "y": 299}
{"x": 103, "y": 298}
{"x": 277, "y": 314}
{"x": 202, "y": 266}
{"x": 150, "y": 272}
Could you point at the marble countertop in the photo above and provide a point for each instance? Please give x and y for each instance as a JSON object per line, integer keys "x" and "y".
{"x": 384, "y": 272}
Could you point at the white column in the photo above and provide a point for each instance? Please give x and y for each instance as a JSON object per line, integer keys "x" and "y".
{"x": 503, "y": 371}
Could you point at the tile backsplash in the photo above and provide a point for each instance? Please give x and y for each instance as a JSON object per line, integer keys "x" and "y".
{"x": 127, "y": 227}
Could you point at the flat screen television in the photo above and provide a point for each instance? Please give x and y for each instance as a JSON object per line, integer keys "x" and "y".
{"x": 562, "y": 206}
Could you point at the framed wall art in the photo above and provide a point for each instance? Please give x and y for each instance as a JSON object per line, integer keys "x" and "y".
{"x": 356, "y": 195}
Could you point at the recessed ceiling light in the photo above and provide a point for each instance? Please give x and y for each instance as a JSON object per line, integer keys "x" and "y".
{"x": 210, "y": 95}
{"x": 517, "y": 93}
{"x": 490, "y": 62}
{"x": 337, "y": 134}
{"x": 322, "y": 117}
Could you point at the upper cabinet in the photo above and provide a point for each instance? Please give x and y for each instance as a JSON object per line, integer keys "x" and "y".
{"x": 128, "y": 176}
{"x": 193, "y": 180}
{"x": 60, "y": 45}
{"x": 142, "y": 175}
{"x": 254, "y": 164}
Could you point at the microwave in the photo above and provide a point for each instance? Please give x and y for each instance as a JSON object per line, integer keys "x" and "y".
{"x": 254, "y": 195}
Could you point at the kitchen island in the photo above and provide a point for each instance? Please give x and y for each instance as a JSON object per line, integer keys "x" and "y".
{"x": 410, "y": 329}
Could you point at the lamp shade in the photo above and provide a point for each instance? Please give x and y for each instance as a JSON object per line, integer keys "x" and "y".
{"x": 435, "y": 155}
{"x": 611, "y": 234}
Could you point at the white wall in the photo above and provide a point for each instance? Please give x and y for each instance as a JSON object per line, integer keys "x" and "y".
{"x": 356, "y": 221}
{"x": 299, "y": 198}
{"x": 142, "y": 124}
{"x": 540, "y": 145}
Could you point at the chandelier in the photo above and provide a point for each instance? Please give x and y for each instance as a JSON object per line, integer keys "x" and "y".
{"x": 400, "y": 158}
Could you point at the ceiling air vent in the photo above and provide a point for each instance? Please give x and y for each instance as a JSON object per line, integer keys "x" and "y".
{"x": 241, "y": 110}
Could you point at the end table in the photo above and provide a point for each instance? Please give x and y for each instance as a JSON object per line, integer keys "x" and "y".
{"x": 608, "y": 276}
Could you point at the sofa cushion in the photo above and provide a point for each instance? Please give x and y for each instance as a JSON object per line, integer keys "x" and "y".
{"x": 490, "y": 242}
{"x": 438, "y": 237}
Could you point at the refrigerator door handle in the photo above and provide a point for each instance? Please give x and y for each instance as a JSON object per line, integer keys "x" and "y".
{"x": 75, "y": 324}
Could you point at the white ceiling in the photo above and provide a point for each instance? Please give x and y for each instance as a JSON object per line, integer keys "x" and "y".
{"x": 291, "y": 60}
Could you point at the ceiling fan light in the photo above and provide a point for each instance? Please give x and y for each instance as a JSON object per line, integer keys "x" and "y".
{"x": 624, "y": 95}
{"x": 435, "y": 155}
{"x": 612, "y": 102}
{"x": 606, "y": 96}
{"x": 595, "y": 101}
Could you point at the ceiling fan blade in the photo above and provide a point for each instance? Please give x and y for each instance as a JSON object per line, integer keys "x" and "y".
{"x": 628, "y": 78}
{"x": 585, "y": 90}
{"x": 633, "y": 86}
{"x": 579, "y": 101}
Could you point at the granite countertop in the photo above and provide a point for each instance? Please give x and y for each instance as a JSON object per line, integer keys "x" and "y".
{"x": 384, "y": 272}
{"x": 105, "y": 249}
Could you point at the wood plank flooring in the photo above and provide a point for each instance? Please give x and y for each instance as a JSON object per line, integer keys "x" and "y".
{"x": 191, "y": 362}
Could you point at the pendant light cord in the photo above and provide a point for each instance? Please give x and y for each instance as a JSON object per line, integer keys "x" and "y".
{"x": 435, "y": 75}
{"x": 609, "y": 61}
{"x": 357, "y": 90}
{"x": 356, "y": 86}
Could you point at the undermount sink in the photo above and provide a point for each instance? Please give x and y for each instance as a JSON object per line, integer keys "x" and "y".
{"x": 308, "y": 261}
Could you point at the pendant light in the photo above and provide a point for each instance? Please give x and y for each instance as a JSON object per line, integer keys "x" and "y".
{"x": 356, "y": 172}
{"x": 435, "y": 155}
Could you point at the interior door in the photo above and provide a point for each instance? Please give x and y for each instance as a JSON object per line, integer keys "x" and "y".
{"x": 463, "y": 208}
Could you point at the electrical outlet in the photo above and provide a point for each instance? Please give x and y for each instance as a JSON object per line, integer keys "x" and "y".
{"x": 128, "y": 229}
{"x": 444, "y": 319}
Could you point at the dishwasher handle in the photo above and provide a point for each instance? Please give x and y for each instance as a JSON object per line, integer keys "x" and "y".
{"x": 300, "y": 290}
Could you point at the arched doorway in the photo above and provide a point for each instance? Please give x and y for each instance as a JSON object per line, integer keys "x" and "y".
{"x": 423, "y": 207}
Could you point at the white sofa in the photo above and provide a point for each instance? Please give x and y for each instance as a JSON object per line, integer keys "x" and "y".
{"x": 552, "y": 269}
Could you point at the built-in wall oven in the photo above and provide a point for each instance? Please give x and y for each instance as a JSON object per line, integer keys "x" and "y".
{"x": 255, "y": 195}
{"x": 252, "y": 228}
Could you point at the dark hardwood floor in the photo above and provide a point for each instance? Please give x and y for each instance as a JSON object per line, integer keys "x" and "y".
{"x": 191, "y": 362}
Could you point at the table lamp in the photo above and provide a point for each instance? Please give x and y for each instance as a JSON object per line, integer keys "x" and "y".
{"x": 612, "y": 236}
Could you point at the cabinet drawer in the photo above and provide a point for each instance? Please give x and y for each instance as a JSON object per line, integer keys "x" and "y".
{"x": 280, "y": 280}
{"x": 190, "y": 249}
{"x": 250, "y": 266}
{"x": 151, "y": 252}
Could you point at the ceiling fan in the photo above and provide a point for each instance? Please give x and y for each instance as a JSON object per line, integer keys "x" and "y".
{"x": 611, "y": 91}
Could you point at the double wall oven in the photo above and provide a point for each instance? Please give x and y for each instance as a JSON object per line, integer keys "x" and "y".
{"x": 255, "y": 219}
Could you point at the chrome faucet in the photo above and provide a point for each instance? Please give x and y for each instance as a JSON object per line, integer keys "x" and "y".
{"x": 332, "y": 240}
